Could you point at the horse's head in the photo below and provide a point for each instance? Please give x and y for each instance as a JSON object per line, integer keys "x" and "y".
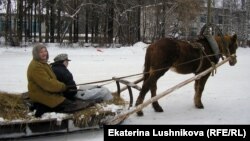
{"x": 228, "y": 46}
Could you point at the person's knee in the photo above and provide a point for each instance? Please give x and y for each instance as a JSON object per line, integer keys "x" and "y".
{"x": 106, "y": 94}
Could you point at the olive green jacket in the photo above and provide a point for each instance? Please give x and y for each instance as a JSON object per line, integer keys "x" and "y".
{"x": 43, "y": 86}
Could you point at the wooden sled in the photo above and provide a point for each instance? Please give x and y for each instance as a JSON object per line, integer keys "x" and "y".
{"x": 91, "y": 118}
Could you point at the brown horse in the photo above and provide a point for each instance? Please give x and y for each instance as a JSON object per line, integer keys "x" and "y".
{"x": 183, "y": 57}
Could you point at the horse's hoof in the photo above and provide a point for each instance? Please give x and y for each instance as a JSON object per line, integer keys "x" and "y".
{"x": 199, "y": 106}
{"x": 140, "y": 113}
{"x": 157, "y": 107}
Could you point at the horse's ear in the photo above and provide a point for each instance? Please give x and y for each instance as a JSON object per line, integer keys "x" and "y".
{"x": 234, "y": 38}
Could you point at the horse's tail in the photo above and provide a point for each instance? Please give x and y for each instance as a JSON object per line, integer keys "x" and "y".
{"x": 146, "y": 65}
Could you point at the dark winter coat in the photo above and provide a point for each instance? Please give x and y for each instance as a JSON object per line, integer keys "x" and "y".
{"x": 65, "y": 76}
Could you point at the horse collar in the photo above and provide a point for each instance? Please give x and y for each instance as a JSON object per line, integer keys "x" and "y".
{"x": 214, "y": 46}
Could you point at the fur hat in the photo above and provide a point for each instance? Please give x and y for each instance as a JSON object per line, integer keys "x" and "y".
{"x": 36, "y": 50}
{"x": 61, "y": 57}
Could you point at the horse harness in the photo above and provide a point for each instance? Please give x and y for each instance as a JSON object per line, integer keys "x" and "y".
{"x": 214, "y": 46}
{"x": 199, "y": 46}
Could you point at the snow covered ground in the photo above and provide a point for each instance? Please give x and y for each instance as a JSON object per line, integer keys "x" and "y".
{"x": 226, "y": 96}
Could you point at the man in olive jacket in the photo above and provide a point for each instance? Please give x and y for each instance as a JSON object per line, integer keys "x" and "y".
{"x": 43, "y": 86}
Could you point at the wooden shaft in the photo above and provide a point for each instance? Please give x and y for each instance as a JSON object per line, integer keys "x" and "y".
{"x": 122, "y": 117}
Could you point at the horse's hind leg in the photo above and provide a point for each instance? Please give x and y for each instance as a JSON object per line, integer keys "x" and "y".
{"x": 145, "y": 88}
{"x": 199, "y": 87}
{"x": 149, "y": 83}
{"x": 153, "y": 89}
{"x": 155, "y": 104}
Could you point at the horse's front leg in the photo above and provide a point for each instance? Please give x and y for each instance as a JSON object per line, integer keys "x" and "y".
{"x": 199, "y": 87}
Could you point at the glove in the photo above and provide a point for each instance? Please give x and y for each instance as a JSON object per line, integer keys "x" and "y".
{"x": 71, "y": 87}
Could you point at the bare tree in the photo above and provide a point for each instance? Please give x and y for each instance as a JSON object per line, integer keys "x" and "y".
{"x": 167, "y": 18}
{"x": 47, "y": 23}
{"x": 8, "y": 22}
{"x": 248, "y": 22}
{"x": 20, "y": 19}
{"x": 52, "y": 20}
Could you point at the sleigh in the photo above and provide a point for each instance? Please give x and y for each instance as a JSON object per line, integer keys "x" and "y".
{"x": 16, "y": 120}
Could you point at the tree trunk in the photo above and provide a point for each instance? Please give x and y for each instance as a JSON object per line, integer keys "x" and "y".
{"x": 87, "y": 25}
{"x": 59, "y": 25}
{"x": 30, "y": 20}
{"x": 52, "y": 21}
{"x": 25, "y": 20}
{"x": 35, "y": 21}
{"x": 40, "y": 22}
{"x": 8, "y": 23}
{"x": 70, "y": 31}
{"x": 47, "y": 23}
{"x": 110, "y": 23}
{"x": 75, "y": 23}
{"x": 20, "y": 19}
{"x": 138, "y": 27}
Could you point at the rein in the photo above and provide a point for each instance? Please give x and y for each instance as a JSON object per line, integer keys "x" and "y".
{"x": 127, "y": 76}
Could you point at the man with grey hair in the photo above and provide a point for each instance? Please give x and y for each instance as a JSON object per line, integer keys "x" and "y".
{"x": 62, "y": 73}
{"x": 89, "y": 92}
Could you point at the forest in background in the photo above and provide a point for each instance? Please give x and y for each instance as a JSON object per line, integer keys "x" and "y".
{"x": 105, "y": 22}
